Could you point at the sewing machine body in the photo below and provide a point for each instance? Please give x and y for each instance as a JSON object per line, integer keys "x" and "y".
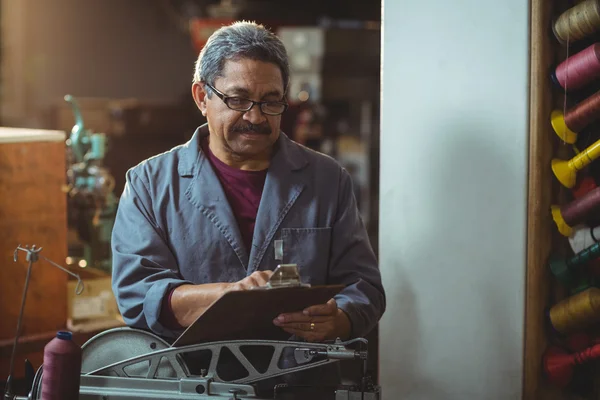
{"x": 127, "y": 364}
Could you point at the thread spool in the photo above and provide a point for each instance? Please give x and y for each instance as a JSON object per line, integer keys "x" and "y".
{"x": 566, "y": 171}
{"x": 559, "y": 364}
{"x": 581, "y": 283}
{"x": 583, "y": 186}
{"x": 580, "y": 341}
{"x": 584, "y": 237}
{"x": 578, "y": 70}
{"x": 576, "y": 313}
{"x": 62, "y": 368}
{"x": 573, "y": 213}
{"x": 578, "y": 22}
{"x": 576, "y": 118}
{"x": 563, "y": 268}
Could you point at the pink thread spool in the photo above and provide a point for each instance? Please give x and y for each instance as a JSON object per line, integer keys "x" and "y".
{"x": 62, "y": 368}
{"x": 574, "y": 213}
{"x": 579, "y": 69}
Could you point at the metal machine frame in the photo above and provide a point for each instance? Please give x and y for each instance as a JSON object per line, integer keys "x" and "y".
{"x": 162, "y": 374}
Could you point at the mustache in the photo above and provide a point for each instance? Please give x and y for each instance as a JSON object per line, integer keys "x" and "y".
{"x": 246, "y": 128}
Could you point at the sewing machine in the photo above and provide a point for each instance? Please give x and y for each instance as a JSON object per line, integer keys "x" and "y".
{"x": 125, "y": 363}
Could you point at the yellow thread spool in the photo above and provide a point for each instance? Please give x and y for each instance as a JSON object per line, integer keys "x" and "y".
{"x": 560, "y": 222}
{"x": 577, "y": 312}
{"x": 578, "y": 22}
{"x": 566, "y": 171}
{"x": 557, "y": 119}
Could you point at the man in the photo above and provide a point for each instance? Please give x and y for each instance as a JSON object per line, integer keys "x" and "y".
{"x": 220, "y": 212}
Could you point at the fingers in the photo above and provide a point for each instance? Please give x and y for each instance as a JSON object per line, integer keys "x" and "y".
{"x": 307, "y": 335}
{"x": 291, "y": 317}
{"x": 305, "y": 326}
{"x": 313, "y": 332}
{"x": 313, "y": 329}
{"x": 311, "y": 313}
{"x": 267, "y": 273}
{"x": 256, "y": 279}
{"x": 245, "y": 284}
{"x": 329, "y": 308}
{"x": 316, "y": 328}
{"x": 300, "y": 326}
{"x": 261, "y": 277}
{"x": 284, "y": 319}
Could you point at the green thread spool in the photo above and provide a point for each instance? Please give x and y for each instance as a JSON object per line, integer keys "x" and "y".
{"x": 564, "y": 269}
{"x": 582, "y": 283}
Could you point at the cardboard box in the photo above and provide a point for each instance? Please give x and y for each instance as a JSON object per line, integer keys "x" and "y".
{"x": 95, "y": 307}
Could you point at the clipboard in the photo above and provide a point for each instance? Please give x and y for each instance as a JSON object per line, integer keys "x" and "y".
{"x": 249, "y": 314}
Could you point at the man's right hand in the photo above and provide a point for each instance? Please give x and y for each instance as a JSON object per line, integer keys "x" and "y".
{"x": 190, "y": 301}
{"x": 256, "y": 279}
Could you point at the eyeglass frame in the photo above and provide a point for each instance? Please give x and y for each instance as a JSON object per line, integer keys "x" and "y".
{"x": 224, "y": 99}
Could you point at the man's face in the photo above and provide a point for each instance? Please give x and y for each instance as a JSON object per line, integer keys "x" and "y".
{"x": 249, "y": 134}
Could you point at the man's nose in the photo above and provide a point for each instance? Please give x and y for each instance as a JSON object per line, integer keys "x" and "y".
{"x": 255, "y": 115}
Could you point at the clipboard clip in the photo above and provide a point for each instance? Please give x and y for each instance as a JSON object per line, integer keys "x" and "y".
{"x": 285, "y": 275}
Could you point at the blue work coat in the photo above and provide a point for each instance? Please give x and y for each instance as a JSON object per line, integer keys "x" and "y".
{"x": 174, "y": 225}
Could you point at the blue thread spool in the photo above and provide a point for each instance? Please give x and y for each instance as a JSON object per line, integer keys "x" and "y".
{"x": 62, "y": 368}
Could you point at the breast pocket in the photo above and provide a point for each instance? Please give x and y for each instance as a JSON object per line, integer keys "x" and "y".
{"x": 309, "y": 249}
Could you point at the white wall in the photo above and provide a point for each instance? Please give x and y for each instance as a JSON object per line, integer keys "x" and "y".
{"x": 453, "y": 198}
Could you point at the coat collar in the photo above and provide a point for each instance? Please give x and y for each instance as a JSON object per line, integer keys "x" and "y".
{"x": 288, "y": 154}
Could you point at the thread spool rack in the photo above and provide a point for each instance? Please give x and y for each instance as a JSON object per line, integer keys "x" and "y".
{"x": 544, "y": 241}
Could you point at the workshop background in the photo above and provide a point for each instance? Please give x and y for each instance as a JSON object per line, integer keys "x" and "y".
{"x": 128, "y": 66}
{"x": 466, "y": 228}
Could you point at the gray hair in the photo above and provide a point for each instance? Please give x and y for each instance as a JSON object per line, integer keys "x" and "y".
{"x": 240, "y": 40}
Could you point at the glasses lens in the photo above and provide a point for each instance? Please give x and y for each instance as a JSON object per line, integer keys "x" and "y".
{"x": 239, "y": 104}
{"x": 273, "y": 108}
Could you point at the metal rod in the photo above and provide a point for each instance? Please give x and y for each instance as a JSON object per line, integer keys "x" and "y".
{"x": 79, "y": 287}
{"x": 32, "y": 256}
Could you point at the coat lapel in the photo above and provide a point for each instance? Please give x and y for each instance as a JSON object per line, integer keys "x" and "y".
{"x": 283, "y": 185}
{"x": 206, "y": 193}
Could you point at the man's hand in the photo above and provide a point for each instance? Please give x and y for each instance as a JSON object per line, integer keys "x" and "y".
{"x": 188, "y": 302}
{"x": 316, "y": 323}
{"x": 256, "y": 279}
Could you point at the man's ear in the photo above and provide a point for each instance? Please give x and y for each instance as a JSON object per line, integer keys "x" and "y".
{"x": 199, "y": 96}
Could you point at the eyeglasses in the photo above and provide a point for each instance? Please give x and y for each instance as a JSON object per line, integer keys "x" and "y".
{"x": 243, "y": 105}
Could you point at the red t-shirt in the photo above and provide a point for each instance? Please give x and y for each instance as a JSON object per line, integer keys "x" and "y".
{"x": 243, "y": 190}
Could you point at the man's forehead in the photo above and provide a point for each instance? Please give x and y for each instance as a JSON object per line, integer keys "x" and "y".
{"x": 270, "y": 90}
{"x": 247, "y": 75}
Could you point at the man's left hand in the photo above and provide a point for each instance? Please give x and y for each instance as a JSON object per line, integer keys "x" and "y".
{"x": 316, "y": 323}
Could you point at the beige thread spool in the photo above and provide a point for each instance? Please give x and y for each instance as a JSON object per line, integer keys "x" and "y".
{"x": 578, "y": 22}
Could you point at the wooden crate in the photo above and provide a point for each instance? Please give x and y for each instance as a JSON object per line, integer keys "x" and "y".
{"x": 32, "y": 211}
